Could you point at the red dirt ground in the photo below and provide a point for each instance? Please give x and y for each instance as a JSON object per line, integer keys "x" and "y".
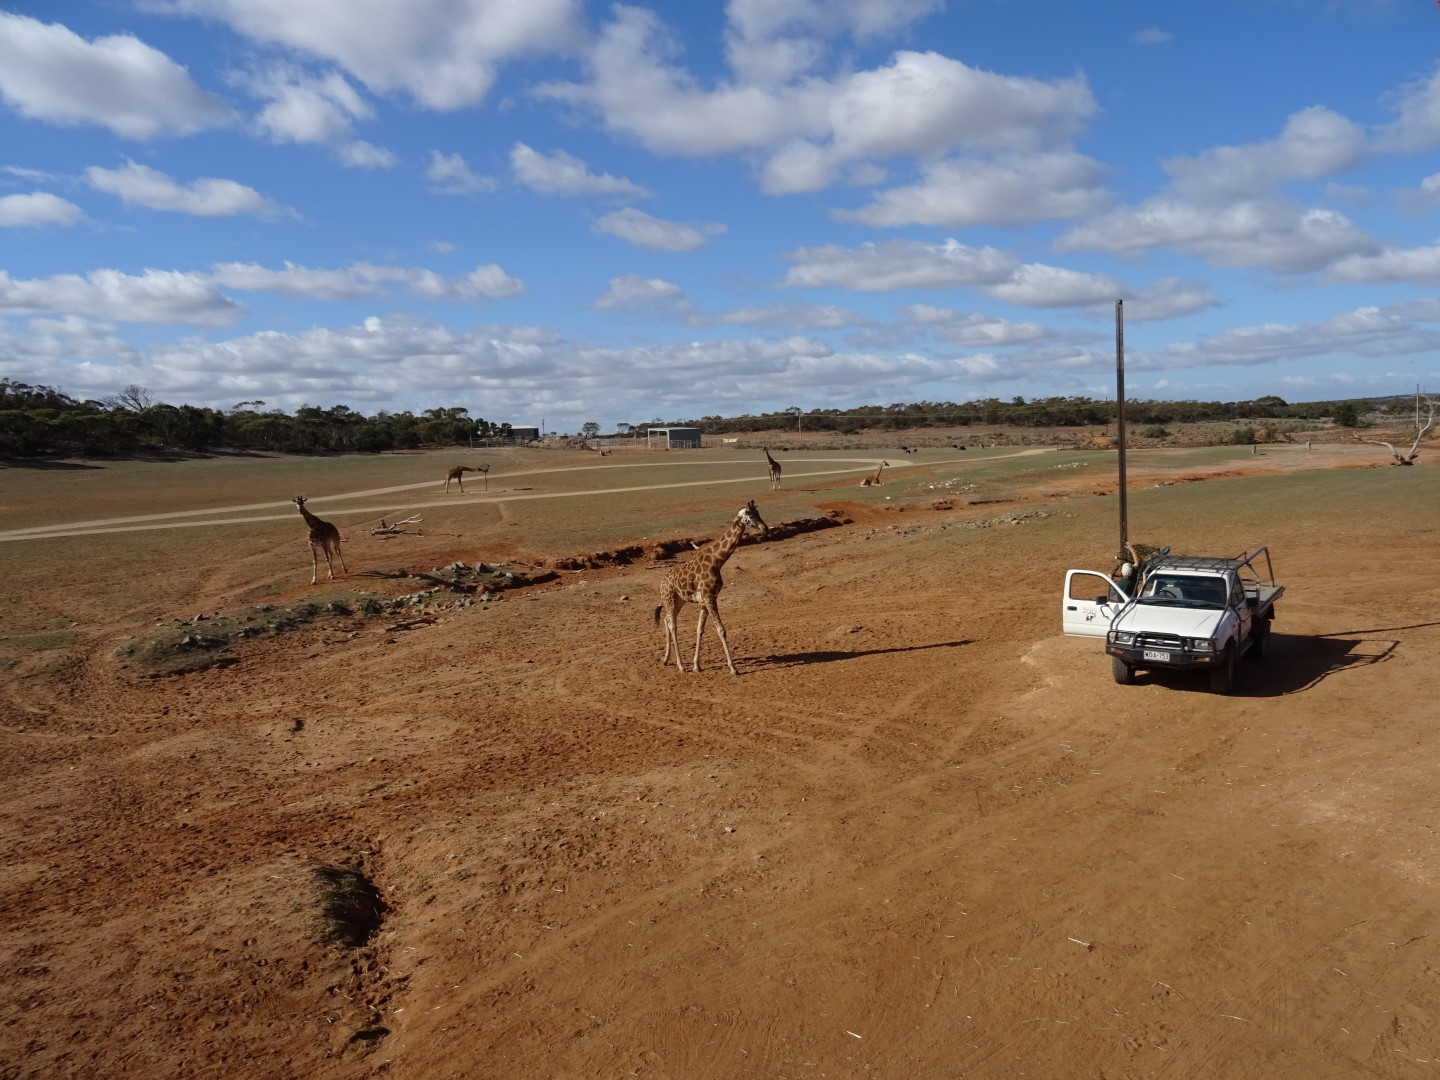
{"x": 921, "y": 835}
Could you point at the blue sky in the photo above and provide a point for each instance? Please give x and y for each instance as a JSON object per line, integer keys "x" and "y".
{"x": 571, "y": 211}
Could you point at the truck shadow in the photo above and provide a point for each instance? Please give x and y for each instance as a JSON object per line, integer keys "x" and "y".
{"x": 830, "y": 655}
{"x": 1294, "y": 663}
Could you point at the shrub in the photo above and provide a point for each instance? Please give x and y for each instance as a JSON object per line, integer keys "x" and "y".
{"x": 1242, "y": 436}
{"x": 1155, "y": 431}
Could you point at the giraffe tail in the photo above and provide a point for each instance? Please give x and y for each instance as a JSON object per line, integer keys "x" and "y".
{"x": 658, "y": 608}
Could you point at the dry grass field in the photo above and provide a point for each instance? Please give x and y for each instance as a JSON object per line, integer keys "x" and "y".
{"x": 430, "y": 825}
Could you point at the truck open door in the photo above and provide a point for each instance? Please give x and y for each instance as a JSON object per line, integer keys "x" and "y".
{"x": 1091, "y": 600}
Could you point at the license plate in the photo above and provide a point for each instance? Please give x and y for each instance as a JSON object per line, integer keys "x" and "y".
{"x": 1157, "y": 655}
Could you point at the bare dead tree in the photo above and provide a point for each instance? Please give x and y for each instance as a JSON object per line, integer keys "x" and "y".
{"x": 1421, "y": 427}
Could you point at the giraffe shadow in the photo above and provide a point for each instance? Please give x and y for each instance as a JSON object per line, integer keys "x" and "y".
{"x": 827, "y": 656}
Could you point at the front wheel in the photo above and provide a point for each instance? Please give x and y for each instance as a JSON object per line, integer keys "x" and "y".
{"x": 1123, "y": 672}
{"x": 1222, "y": 675}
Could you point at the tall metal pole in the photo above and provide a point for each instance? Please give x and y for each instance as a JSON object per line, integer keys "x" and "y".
{"x": 1120, "y": 423}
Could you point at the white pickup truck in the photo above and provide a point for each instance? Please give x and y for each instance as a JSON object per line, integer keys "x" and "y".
{"x": 1190, "y": 612}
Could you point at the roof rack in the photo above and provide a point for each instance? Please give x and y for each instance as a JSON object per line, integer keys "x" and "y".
{"x": 1240, "y": 564}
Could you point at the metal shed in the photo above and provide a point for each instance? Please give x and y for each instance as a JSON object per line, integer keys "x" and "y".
{"x": 672, "y": 438}
{"x": 521, "y": 433}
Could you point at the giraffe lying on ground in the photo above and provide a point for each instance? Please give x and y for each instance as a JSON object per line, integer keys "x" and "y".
{"x": 698, "y": 581}
{"x": 874, "y": 479}
{"x": 324, "y": 537}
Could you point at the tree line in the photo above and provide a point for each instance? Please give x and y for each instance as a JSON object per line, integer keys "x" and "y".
{"x": 40, "y": 421}
{"x": 1036, "y": 413}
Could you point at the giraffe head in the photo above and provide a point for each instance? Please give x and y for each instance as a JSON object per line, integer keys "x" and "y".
{"x": 299, "y": 500}
{"x": 749, "y": 518}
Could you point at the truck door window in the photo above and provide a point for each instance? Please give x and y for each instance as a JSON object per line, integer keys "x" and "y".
{"x": 1094, "y": 589}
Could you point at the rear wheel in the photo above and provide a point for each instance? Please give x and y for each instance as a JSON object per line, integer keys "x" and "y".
{"x": 1260, "y": 639}
{"x": 1222, "y": 675}
{"x": 1123, "y": 672}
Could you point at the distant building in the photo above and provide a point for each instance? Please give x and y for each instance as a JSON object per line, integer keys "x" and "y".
{"x": 520, "y": 433}
{"x": 672, "y": 438}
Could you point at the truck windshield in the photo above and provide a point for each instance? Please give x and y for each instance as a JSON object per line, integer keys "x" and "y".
{"x": 1184, "y": 590}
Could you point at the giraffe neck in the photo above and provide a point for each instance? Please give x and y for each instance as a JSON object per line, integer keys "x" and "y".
{"x": 723, "y": 548}
{"x": 310, "y": 519}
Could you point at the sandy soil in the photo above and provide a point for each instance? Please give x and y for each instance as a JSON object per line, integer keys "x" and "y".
{"x": 921, "y": 835}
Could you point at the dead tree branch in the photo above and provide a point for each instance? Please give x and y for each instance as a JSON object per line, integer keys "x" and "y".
{"x": 1421, "y": 428}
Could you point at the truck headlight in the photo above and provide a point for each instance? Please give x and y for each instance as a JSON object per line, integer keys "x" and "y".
{"x": 1201, "y": 645}
{"x": 1121, "y": 637}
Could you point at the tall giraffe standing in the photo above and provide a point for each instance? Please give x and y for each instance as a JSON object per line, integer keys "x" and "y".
{"x": 697, "y": 581}
{"x": 458, "y": 474}
{"x": 325, "y": 537}
{"x": 774, "y": 470}
{"x": 874, "y": 480}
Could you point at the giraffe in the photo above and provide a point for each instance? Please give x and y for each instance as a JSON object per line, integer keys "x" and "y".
{"x": 874, "y": 480}
{"x": 458, "y": 474}
{"x": 697, "y": 581}
{"x": 774, "y": 470}
{"x": 323, "y": 537}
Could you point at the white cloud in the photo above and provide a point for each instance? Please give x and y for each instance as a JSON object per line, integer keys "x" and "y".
{"x": 773, "y": 41}
{"x": 141, "y": 185}
{"x": 1315, "y": 142}
{"x": 299, "y": 282}
{"x": 156, "y": 296}
{"x": 32, "y": 175}
{"x": 1017, "y": 190}
{"x": 447, "y": 174}
{"x": 974, "y": 329}
{"x": 484, "y": 283}
{"x": 1416, "y": 128}
{"x": 1366, "y": 331}
{"x": 1036, "y": 285}
{"x": 1272, "y": 234}
{"x": 1413, "y": 266}
{"x": 920, "y": 104}
{"x": 443, "y": 53}
{"x": 306, "y": 108}
{"x": 363, "y": 155}
{"x": 1152, "y": 35}
{"x": 633, "y": 291}
{"x": 47, "y": 72}
{"x": 563, "y": 174}
{"x": 898, "y": 264}
{"x": 641, "y": 229}
{"x": 1421, "y": 199}
{"x": 638, "y": 94}
{"x": 1167, "y": 298}
{"x": 37, "y": 208}
{"x": 789, "y": 316}
{"x": 519, "y": 372}
{"x": 923, "y": 103}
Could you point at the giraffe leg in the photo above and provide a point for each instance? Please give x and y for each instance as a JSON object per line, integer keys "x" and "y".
{"x": 329, "y": 569}
{"x": 699, "y": 632}
{"x": 461, "y": 481}
{"x": 341, "y": 556}
{"x": 314, "y": 566}
{"x": 720, "y": 629}
{"x": 671, "y": 640}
